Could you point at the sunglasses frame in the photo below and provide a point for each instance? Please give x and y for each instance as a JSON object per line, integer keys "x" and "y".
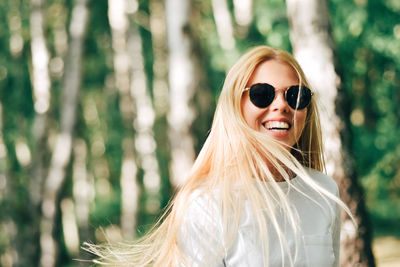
{"x": 285, "y": 95}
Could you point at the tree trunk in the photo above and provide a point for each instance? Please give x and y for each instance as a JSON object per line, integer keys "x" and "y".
{"x": 160, "y": 64}
{"x": 145, "y": 143}
{"x": 82, "y": 192}
{"x": 8, "y": 231}
{"x": 243, "y": 11}
{"x": 222, "y": 18}
{"x": 314, "y": 48}
{"x": 40, "y": 59}
{"x": 182, "y": 84}
{"x": 130, "y": 190}
{"x": 63, "y": 143}
{"x": 41, "y": 91}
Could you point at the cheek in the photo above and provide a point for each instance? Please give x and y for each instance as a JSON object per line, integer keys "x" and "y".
{"x": 252, "y": 116}
{"x": 247, "y": 111}
{"x": 300, "y": 121}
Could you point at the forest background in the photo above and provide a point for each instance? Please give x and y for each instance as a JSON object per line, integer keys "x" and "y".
{"x": 104, "y": 105}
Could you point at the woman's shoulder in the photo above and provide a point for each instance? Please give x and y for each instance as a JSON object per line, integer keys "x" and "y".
{"x": 324, "y": 180}
{"x": 201, "y": 219}
{"x": 203, "y": 204}
{"x": 200, "y": 235}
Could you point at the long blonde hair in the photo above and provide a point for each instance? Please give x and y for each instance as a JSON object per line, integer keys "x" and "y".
{"x": 233, "y": 157}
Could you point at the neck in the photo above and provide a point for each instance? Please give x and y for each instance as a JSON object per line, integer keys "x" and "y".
{"x": 278, "y": 176}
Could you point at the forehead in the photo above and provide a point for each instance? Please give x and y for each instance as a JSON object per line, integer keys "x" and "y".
{"x": 278, "y": 74}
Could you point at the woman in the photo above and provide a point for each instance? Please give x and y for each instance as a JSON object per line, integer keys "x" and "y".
{"x": 256, "y": 195}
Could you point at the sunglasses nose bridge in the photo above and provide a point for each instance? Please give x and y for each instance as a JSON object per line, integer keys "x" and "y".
{"x": 279, "y": 101}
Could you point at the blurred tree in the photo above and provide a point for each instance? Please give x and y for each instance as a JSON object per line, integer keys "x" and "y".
{"x": 243, "y": 12}
{"x": 17, "y": 107}
{"x": 159, "y": 92}
{"x": 223, "y": 21}
{"x": 63, "y": 143}
{"x": 182, "y": 83}
{"x": 314, "y": 48}
{"x": 41, "y": 90}
{"x": 119, "y": 25}
{"x": 41, "y": 86}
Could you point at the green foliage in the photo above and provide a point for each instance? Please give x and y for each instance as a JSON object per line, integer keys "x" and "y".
{"x": 368, "y": 35}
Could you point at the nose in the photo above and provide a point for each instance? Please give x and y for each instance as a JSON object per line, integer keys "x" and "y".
{"x": 280, "y": 103}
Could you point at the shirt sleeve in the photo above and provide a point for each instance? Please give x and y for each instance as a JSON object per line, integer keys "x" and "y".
{"x": 335, "y": 226}
{"x": 200, "y": 237}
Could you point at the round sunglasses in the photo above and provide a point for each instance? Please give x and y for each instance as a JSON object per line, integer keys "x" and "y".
{"x": 263, "y": 94}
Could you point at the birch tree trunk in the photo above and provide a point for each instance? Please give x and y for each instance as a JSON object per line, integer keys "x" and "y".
{"x": 63, "y": 143}
{"x": 10, "y": 257}
{"x": 182, "y": 84}
{"x": 40, "y": 59}
{"x": 41, "y": 92}
{"x": 243, "y": 12}
{"x": 160, "y": 65}
{"x": 82, "y": 192}
{"x": 223, "y": 22}
{"x": 145, "y": 143}
{"x": 130, "y": 190}
{"x": 314, "y": 48}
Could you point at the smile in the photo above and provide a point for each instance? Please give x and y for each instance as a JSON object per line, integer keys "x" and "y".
{"x": 276, "y": 126}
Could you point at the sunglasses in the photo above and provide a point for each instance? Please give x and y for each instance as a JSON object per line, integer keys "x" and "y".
{"x": 263, "y": 94}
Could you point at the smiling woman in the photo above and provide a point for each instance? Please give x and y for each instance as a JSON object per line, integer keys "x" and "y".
{"x": 256, "y": 195}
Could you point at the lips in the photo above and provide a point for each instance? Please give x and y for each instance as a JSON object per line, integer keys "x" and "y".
{"x": 277, "y": 125}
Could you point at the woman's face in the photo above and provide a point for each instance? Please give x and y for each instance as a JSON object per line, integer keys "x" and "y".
{"x": 278, "y": 120}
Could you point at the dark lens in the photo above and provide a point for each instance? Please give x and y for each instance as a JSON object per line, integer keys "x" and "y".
{"x": 262, "y": 94}
{"x": 294, "y": 100}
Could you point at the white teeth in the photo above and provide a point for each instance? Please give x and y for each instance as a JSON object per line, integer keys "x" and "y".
{"x": 277, "y": 125}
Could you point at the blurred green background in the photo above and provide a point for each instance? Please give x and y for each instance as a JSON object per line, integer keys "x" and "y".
{"x": 40, "y": 213}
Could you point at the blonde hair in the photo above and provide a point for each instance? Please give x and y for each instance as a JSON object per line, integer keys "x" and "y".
{"x": 232, "y": 163}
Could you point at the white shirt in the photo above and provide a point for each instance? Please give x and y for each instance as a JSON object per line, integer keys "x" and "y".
{"x": 319, "y": 231}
